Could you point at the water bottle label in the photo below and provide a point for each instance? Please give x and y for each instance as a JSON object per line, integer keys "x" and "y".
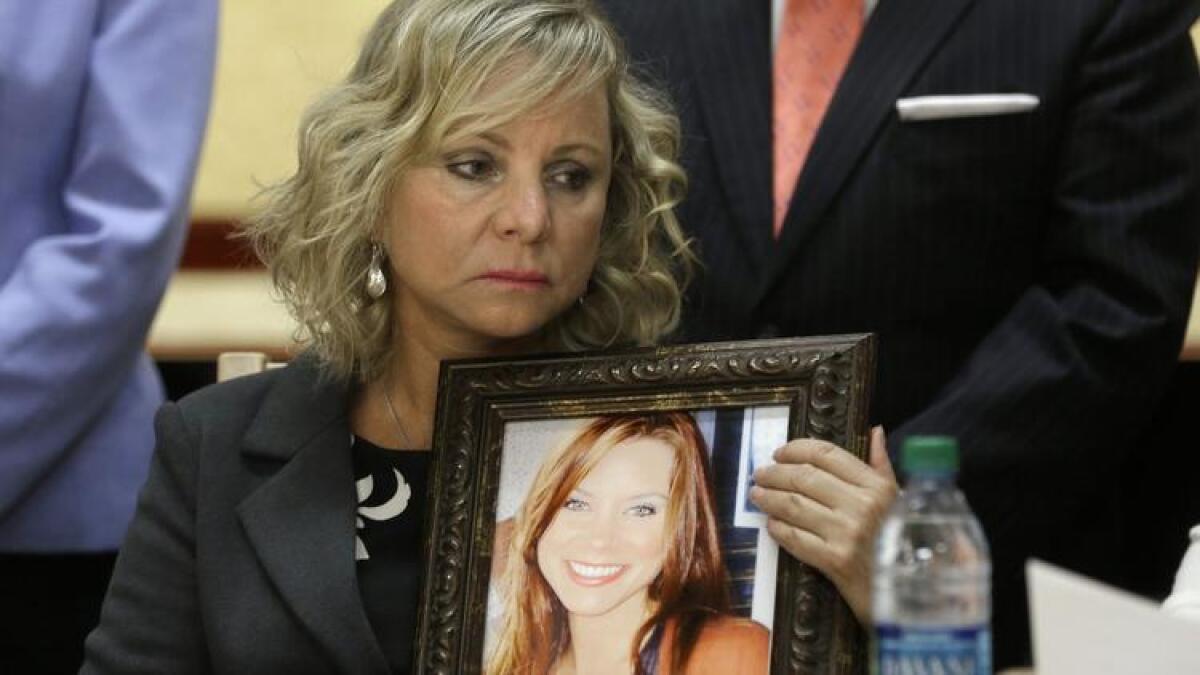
{"x": 905, "y": 650}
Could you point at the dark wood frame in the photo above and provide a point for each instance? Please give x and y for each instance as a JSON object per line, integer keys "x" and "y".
{"x": 825, "y": 381}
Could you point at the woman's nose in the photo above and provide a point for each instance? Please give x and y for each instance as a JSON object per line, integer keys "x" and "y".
{"x": 603, "y": 530}
{"x": 525, "y": 212}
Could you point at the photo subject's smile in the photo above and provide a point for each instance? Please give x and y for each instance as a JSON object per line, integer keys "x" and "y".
{"x": 586, "y": 574}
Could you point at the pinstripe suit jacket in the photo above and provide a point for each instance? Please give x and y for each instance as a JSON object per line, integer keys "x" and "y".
{"x": 1028, "y": 274}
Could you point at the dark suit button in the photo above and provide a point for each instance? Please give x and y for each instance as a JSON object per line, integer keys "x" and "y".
{"x": 769, "y": 330}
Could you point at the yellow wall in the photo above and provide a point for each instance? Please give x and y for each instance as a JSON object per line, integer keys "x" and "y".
{"x": 274, "y": 58}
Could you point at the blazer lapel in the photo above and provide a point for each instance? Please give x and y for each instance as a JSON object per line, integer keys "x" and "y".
{"x": 301, "y": 521}
{"x": 898, "y": 39}
{"x": 731, "y": 61}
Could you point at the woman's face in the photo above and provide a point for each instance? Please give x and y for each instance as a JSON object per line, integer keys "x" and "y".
{"x": 499, "y": 235}
{"x": 607, "y": 542}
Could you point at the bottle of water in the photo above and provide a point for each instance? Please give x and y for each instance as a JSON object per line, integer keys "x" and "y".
{"x": 932, "y": 580}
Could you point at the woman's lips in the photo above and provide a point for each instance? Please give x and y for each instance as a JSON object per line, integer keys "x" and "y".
{"x": 526, "y": 279}
{"x": 586, "y": 574}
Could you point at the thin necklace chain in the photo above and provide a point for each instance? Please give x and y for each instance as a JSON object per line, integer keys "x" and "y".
{"x": 387, "y": 398}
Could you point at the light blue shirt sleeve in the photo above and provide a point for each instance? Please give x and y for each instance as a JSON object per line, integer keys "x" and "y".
{"x": 102, "y": 109}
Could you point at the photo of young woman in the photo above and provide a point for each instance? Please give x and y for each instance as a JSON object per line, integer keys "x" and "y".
{"x": 613, "y": 563}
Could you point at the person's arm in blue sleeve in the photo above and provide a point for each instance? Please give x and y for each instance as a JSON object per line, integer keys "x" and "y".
{"x": 79, "y": 300}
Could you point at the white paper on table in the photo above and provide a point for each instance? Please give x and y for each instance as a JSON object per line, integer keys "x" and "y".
{"x": 1083, "y": 626}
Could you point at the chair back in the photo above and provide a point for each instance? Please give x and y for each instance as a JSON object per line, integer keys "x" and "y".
{"x": 236, "y": 364}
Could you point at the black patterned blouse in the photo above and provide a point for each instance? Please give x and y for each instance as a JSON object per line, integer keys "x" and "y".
{"x": 391, "y": 486}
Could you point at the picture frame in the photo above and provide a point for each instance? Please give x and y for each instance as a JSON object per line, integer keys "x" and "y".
{"x": 497, "y": 414}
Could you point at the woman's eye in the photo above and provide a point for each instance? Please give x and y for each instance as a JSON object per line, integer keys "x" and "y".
{"x": 575, "y": 504}
{"x": 474, "y": 169}
{"x": 575, "y": 178}
{"x": 643, "y": 510}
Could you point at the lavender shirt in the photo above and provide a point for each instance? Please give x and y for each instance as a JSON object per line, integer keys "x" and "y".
{"x": 102, "y": 108}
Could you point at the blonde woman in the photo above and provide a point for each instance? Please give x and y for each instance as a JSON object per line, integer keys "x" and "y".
{"x": 489, "y": 179}
{"x": 614, "y": 564}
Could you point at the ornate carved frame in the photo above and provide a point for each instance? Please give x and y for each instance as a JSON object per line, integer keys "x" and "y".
{"x": 825, "y": 381}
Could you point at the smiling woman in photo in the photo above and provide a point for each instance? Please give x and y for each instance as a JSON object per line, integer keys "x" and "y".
{"x": 614, "y": 562}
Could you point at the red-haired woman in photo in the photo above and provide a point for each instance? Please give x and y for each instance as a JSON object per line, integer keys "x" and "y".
{"x": 614, "y": 562}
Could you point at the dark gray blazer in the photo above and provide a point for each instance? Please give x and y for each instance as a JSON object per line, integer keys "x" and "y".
{"x": 240, "y": 558}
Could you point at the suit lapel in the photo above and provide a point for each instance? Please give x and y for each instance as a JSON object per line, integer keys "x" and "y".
{"x": 730, "y": 55}
{"x": 301, "y": 521}
{"x": 896, "y": 42}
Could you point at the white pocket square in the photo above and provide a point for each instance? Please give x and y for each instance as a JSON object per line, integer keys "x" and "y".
{"x": 919, "y": 108}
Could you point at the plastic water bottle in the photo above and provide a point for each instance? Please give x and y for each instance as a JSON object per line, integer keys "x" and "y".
{"x": 932, "y": 580}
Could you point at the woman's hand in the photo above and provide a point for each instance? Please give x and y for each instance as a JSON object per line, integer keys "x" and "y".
{"x": 825, "y": 506}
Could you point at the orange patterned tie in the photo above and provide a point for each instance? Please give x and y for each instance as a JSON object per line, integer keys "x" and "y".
{"x": 816, "y": 39}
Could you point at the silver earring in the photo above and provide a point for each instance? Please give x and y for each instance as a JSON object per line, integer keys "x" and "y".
{"x": 376, "y": 281}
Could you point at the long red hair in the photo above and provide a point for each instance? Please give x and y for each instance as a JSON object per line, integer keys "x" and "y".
{"x": 692, "y": 586}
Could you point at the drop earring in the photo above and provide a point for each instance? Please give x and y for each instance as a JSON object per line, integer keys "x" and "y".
{"x": 376, "y": 281}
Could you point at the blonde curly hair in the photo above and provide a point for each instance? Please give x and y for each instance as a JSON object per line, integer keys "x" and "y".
{"x": 419, "y": 83}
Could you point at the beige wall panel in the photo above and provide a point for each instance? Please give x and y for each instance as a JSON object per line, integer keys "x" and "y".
{"x": 274, "y": 58}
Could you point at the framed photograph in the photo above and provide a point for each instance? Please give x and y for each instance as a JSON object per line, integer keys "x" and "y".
{"x": 595, "y": 506}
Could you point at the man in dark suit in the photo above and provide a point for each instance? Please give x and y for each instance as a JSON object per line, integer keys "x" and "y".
{"x": 1026, "y": 259}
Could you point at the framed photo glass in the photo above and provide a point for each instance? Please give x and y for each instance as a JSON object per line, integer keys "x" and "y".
{"x": 595, "y": 507}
